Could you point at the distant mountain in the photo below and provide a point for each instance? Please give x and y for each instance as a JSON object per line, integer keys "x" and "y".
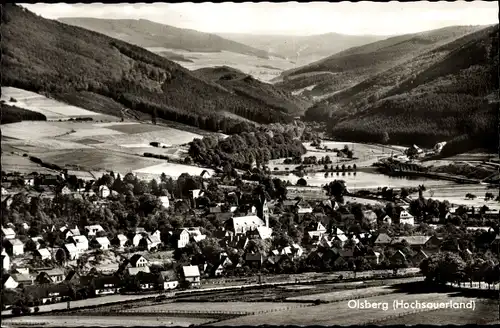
{"x": 246, "y": 86}
{"x": 83, "y": 67}
{"x": 430, "y": 91}
{"x": 352, "y": 66}
{"x": 303, "y": 49}
{"x": 148, "y": 34}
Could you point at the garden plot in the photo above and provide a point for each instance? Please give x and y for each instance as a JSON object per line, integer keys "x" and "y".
{"x": 52, "y": 109}
{"x": 171, "y": 169}
{"x": 339, "y": 313}
{"x": 33, "y": 130}
{"x": 208, "y": 307}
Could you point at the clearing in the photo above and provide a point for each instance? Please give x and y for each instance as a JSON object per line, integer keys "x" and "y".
{"x": 52, "y": 109}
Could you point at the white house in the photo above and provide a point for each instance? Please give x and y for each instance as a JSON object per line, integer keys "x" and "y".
{"x": 182, "y": 238}
{"x": 150, "y": 242}
{"x": 81, "y": 243}
{"x": 121, "y": 240}
{"x": 406, "y": 218}
{"x": 92, "y": 230}
{"x": 71, "y": 252}
{"x": 43, "y": 254}
{"x": 196, "y": 234}
{"x": 170, "y": 280}
{"x": 137, "y": 239}
{"x": 103, "y": 242}
{"x": 244, "y": 224}
{"x": 8, "y": 233}
{"x": 191, "y": 274}
{"x": 36, "y": 240}
{"x": 165, "y": 202}
{"x": 5, "y": 260}
{"x": 104, "y": 191}
{"x": 9, "y": 282}
{"x": 15, "y": 246}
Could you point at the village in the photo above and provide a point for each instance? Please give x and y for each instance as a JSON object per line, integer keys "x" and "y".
{"x": 66, "y": 239}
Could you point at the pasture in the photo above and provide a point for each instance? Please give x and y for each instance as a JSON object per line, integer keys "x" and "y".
{"x": 17, "y": 163}
{"x": 344, "y": 294}
{"x": 52, "y": 109}
{"x": 340, "y": 313}
{"x": 33, "y": 130}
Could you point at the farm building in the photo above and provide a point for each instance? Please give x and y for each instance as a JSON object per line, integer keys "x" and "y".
{"x": 170, "y": 280}
{"x": 191, "y": 274}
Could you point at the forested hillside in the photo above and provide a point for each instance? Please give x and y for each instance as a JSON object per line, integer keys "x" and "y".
{"x": 246, "y": 86}
{"x": 65, "y": 62}
{"x": 145, "y": 33}
{"x": 13, "y": 114}
{"x": 445, "y": 99}
{"x": 352, "y": 66}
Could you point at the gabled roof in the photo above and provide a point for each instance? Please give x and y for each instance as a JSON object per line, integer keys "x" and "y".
{"x": 44, "y": 252}
{"x": 80, "y": 239}
{"x": 191, "y": 271}
{"x": 412, "y": 240}
{"x": 247, "y": 221}
{"x": 103, "y": 240}
{"x": 122, "y": 237}
{"x": 8, "y": 231}
{"x": 135, "y": 258}
{"x": 135, "y": 270}
{"x": 53, "y": 272}
{"x": 383, "y": 238}
{"x": 15, "y": 242}
{"x": 71, "y": 248}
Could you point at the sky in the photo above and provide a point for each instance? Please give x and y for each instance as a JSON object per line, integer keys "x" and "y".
{"x": 291, "y": 18}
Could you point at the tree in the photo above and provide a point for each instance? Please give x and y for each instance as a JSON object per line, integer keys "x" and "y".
{"x": 301, "y": 182}
{"x": 385, "y": 137}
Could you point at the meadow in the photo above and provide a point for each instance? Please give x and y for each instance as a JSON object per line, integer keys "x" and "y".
{"x": 170, "y": 169}
{"x": 52, "y": 109}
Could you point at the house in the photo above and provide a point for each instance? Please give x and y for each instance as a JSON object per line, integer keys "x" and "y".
{"x": 169, "y": 279}
{"x": 64, "y": 190}
{"x": 24, "y": 279}
{"x": 297, "y": 250}
{"x": 71, "y": 252}
{"x": 48, "y": 293}
{"x": 150, "y": 242}
{"x": 191, "y": 274}
{"x": 8, "y": 233}
{"x": 419, "y": 257}
{"x": 303, "y": 207}
{"x": 102, "y": 243}
{"x": 5, "y": 260}
{"x": 73, "y": 277}
{"x": 56, "y": 275}
{"x": 138, "y": 261}
{"x": 81, "y": 243}
{"x": 264, "y": 232}
{"x": 387, "y": 220}
{"x": 427, "y": 243}
{"x": 92, "y": 230}
{"x": 219, "y": 267}
{"x": 383, "y": 239}
{"x": 8, "y": 282}
{"x": 106, "y": 285}
{"x": 244, "y": 224}
{"x": 104, "y": 191}
{"x": 398, "y": 257}
{"x": 15, "y": 247}
{"x": 120, "y": 240}
{"x": 165, "y": 202}
{"x": 195, "y": 194}
{"x": 196, "y": 234}
{"x": 316, "y": 230}
{"x": 180, "y": 238}
{"x": 254, "y": 259}
{"x": 43, "y": 254}
{"x": 147, "y": 280}
{"x": 36, "y": 240}
{"x": 137, "y": 239}
{"x": 25, "y": 226}
{"x": 140, "y": 230}
{"x": 406, "y": 218}
{"x": 374, "y": 257}
{"x": 29, "y": 180}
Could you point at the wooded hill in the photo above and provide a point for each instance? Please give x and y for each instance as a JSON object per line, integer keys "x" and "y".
{"x": 438, "y": 94}
{"x": 65, "y": 61}
{"x": 246, "y": 86}
{"x": 145, "y": 33}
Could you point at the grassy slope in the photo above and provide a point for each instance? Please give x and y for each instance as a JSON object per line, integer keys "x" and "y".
{"x": 246, "y": 86}
{"x": 354, "y": 65}
{"x": 47, "y": 56}
{"x": 146, "y": 33}
{"x": 440, "y": 95}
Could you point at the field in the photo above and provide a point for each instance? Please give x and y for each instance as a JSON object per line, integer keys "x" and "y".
{"x": 52, "y": 109}
{"x": 208, "y": 307}
{"x": 262, "y": 69}
{"x": 340, "y": 313}
{"x": 11, "y": 162}
{"x": 342, "y": 295}
{"x": 106, "y": 321}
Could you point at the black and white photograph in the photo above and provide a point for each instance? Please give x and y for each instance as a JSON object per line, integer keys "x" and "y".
{"x": 249, "y": 164}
